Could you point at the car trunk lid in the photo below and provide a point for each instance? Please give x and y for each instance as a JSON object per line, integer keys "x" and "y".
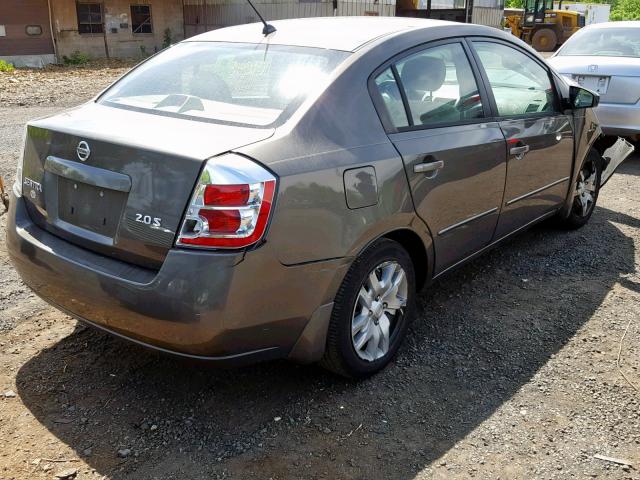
{"x": 616, "y": 79}
{"x": 117, "y": 181}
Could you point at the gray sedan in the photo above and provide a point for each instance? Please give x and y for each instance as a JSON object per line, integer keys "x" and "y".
{"x": 605, "y": 58}
{"x": 242, "y": 197}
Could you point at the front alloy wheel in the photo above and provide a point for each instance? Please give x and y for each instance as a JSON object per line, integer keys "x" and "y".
{"x": 585, "y": 197}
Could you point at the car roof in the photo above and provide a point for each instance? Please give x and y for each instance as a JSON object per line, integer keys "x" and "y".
{"x": 624, "y": 24}
{"x": 335, "y": 33}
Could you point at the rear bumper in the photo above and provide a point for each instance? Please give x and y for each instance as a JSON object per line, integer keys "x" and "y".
{"x": 618, "y": 119}
{"x": 226, "y": 307}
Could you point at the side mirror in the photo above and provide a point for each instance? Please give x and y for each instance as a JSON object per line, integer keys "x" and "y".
{"x": 582, "y": 98}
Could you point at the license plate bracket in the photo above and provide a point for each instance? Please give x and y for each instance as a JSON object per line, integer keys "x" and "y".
{"x": 597, "y": 83}
{"x": 89, "y": 207}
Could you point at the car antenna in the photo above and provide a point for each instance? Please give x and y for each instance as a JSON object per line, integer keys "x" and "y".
{"x": 268, "y": 28}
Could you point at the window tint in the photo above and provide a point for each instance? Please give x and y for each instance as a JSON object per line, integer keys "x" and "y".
{"x": 227, "y": 82}
{"x": 519, "y": 84}
{"x": 89, "y": 17}
{"x": 612, "y": 42}
{"x": 390, "y": 93}
{"x": 141, "y": 19}
{"x": 440, "y": 86}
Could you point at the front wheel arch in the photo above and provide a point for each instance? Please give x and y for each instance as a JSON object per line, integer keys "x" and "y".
{"x": 572, "y": 220}
{"x": 565, "y": 210}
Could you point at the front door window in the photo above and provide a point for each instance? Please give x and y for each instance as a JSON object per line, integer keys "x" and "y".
{"x": 520, "y": 85}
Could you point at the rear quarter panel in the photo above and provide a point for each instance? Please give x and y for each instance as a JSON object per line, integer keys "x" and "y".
{"x": 339, "y": 131}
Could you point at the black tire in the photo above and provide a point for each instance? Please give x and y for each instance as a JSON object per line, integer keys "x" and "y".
{"x": 340, "y": 355}
{"x": 544, "y": 40}
{"x": 577, "y": 217}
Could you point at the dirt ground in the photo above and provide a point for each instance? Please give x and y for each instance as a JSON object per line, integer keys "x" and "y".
{"x": 508, "y": 373}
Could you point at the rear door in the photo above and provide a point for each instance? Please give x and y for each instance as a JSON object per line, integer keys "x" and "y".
{"x": 434, "y": 110}
{"x": 539, "y": 135}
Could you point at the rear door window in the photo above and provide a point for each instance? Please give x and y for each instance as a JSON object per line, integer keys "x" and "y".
{"x": 439, "y": 88}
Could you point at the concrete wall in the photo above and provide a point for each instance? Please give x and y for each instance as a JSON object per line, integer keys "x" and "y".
{"x": 117, "y": 15}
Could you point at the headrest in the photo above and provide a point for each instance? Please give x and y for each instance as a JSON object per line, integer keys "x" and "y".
{"x": 423, "y": 73}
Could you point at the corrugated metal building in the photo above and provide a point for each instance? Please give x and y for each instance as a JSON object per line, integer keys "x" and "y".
{"x": 203, "y": 15}
{"x": 34, "y": 32}
{"x": 483, "y": 12}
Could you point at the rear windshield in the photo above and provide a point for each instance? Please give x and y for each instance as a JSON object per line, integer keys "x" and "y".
{"x": 610, "y": 42}
{"x": 248, "y": 84}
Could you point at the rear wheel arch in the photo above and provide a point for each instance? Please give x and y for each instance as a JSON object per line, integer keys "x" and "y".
{"x": 415, "y": 247}
{"x": 416, "y": 240}
{"x": 343, "y": 350}
{"x": 312, "y": 342}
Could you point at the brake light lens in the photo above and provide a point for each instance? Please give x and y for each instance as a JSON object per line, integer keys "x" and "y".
{"x": 228, "y": 195}
{"x": 231, "y": 204}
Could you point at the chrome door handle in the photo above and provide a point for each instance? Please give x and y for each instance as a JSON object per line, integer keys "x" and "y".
{"x": 428, "y": 167}
{"x": 520, "y": 150}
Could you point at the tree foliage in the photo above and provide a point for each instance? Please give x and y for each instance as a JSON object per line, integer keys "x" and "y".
{"x": 625, "y": 10}
{"x": 620, "y": 9}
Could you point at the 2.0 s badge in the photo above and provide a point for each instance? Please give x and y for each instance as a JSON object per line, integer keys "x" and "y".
{"x": 148, "y": 220}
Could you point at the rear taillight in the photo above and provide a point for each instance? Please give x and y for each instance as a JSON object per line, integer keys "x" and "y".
{"x": 230, "y": 206}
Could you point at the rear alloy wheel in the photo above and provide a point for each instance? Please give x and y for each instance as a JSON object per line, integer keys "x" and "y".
{"x": 372, "y": 311}
{"x": 544, "y": 40}
{"x": 378, "y": 310}
{"x": 586, "y": 192}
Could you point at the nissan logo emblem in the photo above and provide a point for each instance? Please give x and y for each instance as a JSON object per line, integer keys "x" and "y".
{"x": 83, "y": 150}
{"x": 593, "y": 68}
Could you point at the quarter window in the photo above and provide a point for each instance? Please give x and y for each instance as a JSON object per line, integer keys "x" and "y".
{"x": 141, "y": 19}
{"x": 520, "y": 85}
{"x": 89, "y": 17}
{"x": 390, "y": 94}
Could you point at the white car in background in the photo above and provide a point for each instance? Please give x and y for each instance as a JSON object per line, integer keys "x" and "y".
{"x": 605, "y": 58}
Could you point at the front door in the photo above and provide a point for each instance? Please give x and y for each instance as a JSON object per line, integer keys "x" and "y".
{"x": 539, "y": 137}
{"x": 453, "y": 155}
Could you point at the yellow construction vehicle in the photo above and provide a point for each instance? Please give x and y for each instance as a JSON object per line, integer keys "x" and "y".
{"x": 541, "y": 26}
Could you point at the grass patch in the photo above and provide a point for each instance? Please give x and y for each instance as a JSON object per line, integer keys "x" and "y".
{"x": 76, "y": 58}
{"x": 6, "y": 66}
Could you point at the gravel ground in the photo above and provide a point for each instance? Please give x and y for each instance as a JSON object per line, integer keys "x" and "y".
{"x": 509, "y": 372}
